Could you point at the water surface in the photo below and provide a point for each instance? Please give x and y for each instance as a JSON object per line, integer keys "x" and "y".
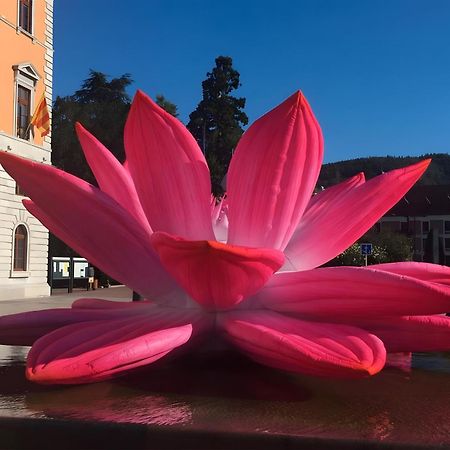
{"x": 222, "y": 392}
{"x": 226, "y": 392}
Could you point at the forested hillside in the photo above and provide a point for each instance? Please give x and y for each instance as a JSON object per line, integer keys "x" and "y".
{"x": 437, "y": 173}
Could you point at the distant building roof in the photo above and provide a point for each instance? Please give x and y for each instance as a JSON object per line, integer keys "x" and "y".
{"x": 423, "y": 201}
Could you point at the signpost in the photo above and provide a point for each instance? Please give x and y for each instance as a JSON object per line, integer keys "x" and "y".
{"x": 366, "y": 249}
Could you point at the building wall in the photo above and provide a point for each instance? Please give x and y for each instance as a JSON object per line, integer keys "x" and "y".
{"x": 24, "y": 50}
{"x": 431, "y": 240}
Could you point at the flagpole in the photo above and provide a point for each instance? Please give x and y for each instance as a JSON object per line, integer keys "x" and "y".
{"x": 28, "y": 129}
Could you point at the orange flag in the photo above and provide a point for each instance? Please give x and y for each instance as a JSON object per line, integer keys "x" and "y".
{"x": 41, "y": 117}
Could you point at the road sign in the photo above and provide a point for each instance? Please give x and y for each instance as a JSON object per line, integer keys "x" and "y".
{"x": 366, "y": 249}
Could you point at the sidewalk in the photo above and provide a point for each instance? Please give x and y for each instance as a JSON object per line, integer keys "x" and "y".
{"x": 62, "y": 299}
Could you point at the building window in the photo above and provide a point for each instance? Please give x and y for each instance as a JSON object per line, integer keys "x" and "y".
{"x": 23, "y": 112}
{"x": 25, "y": 80}
{"x": 447, "y": 243}
{"x": 404, "y": 227}
{"x": 424, "y": 245}
{"x": 25, "y": 15}
{"x": 447, "y": 226}
{"x": 20, "y": 249}
{"x": 20, "y": 191}
{"x": 425, "y": 227}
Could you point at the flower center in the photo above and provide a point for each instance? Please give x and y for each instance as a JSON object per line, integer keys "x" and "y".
{"x": 218, "y": 276}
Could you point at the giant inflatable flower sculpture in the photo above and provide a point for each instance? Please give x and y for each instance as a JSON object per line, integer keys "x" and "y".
{"x": 246, "y": 270}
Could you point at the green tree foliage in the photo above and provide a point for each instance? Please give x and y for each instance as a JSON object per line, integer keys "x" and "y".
{"x": 352, "y": 256}
{"x": 437, "y": 173}
{"x": 168, "y": 106}
{"x": 217, "y": 121}
{"x": 387, "y": 246}
{"x": 97, "y": 89}
{"x": 101, "y": 106}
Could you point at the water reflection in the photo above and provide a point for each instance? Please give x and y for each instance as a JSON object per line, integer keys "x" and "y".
{"x": 10, "y": 356}
{"x": 226, "y": 392}
{"x": 381, "y": 425}
{"x": 108, "y": 402}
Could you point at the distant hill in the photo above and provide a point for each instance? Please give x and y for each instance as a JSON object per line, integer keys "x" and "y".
{"x": 438, "y": 172}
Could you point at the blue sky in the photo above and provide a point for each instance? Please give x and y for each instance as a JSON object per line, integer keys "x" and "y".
{"x": 377, "y": 73}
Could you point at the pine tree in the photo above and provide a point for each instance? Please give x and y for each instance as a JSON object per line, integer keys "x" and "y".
{"x": 217, "y": 121}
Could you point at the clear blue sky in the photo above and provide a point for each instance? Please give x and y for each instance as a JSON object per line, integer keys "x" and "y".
{"x": 377, "y": 73}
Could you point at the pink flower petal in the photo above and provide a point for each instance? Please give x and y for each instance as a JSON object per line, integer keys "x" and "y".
{"x": 216, "y": 208}
{"x": 91, "y": 223}
{"x": 319, "y": 202}
{"x": 111, "y": 176}
{"x": 133, "y": 263}
{"x": 313, "y": 348}
{"x": 220, "y": 220}
{"x": 323, "y": 236}
{"x": 100, "y": 303}
{"x": 169, "y": 171}
{"x": 317, "y": 208}
{"x": 423, "y": 271}
{"x": 272, "y": 175}
{"x": 25, "y": 328}
{"x": 334, "y": 292}
{"x": 413, "y": 333}
{"x": 216, "y": 275}
{"x": 95, "y": 351}
{"x": 221, "y": 228}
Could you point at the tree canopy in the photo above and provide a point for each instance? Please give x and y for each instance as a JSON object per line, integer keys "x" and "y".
{"x": 101, "y": 106}
{"x": 97, "y": 89}
{"x": 167, "y": 105}
{"x": 217, "y": 121}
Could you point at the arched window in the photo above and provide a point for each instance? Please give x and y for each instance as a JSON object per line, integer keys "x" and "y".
{"x": 20, "y": 248}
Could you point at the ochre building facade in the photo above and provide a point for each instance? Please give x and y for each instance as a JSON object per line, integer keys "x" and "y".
{"x": 26, "y": 66}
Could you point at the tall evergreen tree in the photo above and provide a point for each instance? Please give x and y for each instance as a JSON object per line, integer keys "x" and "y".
{"x": 217, "y": 121}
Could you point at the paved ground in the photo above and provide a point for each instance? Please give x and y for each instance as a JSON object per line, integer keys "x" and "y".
{"x": 61, "y": 299}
